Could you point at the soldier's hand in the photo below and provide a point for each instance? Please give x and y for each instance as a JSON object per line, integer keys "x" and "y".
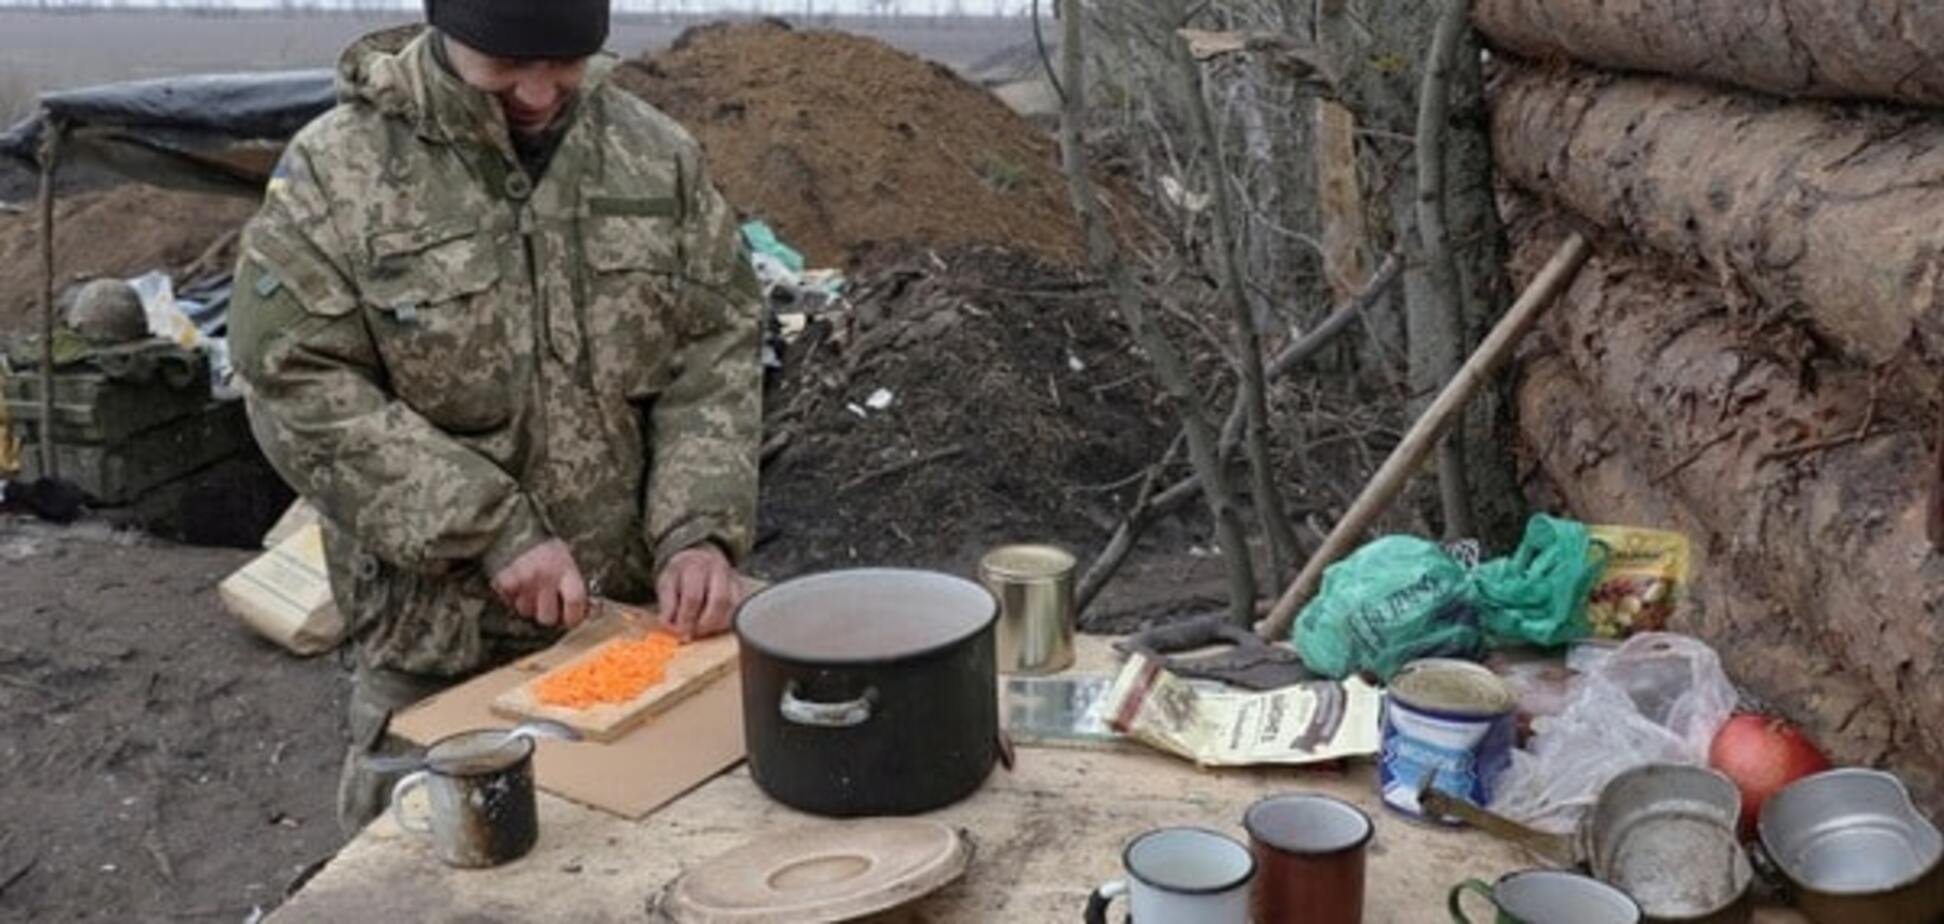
{"x": 544, "y": 585}
{"x": 698, "y": 591}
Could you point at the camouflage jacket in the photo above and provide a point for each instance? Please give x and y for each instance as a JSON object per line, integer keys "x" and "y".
{"x": 453, "y": 362}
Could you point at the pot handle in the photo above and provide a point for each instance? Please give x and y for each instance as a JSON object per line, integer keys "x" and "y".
{"x": 846, "y": 714}
{"x": 1552, "y": 847}
{"x": 1767, "y": 870}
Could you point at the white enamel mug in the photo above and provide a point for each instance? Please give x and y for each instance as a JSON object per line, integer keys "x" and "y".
{"x": 1180, "y": 876}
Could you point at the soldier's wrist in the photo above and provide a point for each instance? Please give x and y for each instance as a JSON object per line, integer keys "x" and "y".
{"x": 520, "y": 534}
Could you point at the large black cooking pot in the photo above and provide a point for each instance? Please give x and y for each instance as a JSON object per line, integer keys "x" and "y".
{"x": 869, "y": 691}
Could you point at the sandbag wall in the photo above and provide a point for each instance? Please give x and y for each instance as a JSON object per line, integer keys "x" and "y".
{"x": 1754, "y": 354}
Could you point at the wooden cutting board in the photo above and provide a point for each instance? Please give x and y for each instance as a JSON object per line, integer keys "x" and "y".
{"x": 692, "y": 669}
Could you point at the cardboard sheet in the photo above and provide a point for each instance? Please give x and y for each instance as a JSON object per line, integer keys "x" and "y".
{"x": 632, "y": 775}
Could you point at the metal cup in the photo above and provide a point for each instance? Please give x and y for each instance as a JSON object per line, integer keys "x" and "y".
{"x": 1545, "y": 896}
{"x": 1309, "y": 851}
{"x": 480, "y": 787}
{"x": 1034, "y": 584}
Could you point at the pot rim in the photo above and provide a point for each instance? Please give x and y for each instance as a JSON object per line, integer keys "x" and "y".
{"x": 985, "y": 625}
{"x": 1783, "y": 865}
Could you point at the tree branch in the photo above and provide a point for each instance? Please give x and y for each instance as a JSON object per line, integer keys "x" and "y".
{"x": 1171, "y": 498}
{"x": 1438, "y": 322}
{"x": 1252, "y": 395}
{"x": 1104, "y": 252}
{"x": 1423, "y": 436}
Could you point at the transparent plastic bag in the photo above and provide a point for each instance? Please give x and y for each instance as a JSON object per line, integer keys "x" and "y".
{"x": 1657, "y": 698}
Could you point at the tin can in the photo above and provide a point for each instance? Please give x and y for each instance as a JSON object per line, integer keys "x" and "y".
{"x": 1450, "y": 718}
{"x": 1034, "y": 584}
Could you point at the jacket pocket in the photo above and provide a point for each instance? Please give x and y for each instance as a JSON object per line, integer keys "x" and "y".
{"x": 631, "y": 301}
{"x": 450, "y": 336}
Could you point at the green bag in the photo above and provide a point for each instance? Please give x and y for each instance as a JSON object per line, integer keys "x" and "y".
{"x": 1537, "y": 595}
{"x": 1400, "y": 598}
{"x": 1397, "y": 599}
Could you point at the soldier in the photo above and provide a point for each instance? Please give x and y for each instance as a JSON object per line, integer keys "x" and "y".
{"x": 498, "y": 327}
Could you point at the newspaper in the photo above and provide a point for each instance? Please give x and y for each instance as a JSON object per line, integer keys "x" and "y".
{"x": 1306, "y": 723}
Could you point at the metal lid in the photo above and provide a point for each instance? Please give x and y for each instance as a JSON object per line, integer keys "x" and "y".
{"x": 864, "y": 615}
{"x": 1027, "y": 562}
{"x": 1452, "y": 686}
{"x": 824, "y": 872}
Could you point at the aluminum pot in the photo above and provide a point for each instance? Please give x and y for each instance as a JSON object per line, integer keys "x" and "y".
{"x": 869, "y": 691}
{"x": 1852, "y": 849}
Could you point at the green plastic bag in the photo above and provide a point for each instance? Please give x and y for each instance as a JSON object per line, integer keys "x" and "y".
{"x": 1397, "y": 599}
{"x": 1401, "y": 598}
{"x": 1537, "y": 595}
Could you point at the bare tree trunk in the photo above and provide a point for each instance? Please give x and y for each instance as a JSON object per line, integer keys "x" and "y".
{"x": 1379, "y": 76}
{"x": 1437, "y": 328}
{"x": 1104, "y": 253}
{"x": 1242, "y": 326}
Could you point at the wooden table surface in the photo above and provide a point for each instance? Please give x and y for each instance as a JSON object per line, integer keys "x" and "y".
{"x": 1045, "y": 834}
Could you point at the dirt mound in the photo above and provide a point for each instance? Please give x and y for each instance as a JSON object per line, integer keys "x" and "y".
{"x": 124, "y": 231}
{"x": 1018, "y": 411}
{"x": 841, "y": 142}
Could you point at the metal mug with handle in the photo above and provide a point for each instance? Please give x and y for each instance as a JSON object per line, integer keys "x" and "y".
{"x": 479, "y": 785}
{"x": 1180, "y": 876}
{"x": 1546, "y": 896}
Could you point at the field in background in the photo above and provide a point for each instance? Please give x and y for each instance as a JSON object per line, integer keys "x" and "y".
{"x": 43, "y": 51}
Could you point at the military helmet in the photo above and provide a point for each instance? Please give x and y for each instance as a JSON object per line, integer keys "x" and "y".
{"x": 108, "y": 311}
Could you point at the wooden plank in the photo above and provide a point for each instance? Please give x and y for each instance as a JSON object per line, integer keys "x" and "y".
{"x": 692, "y": 668}
{"x": 1047, "y": 833}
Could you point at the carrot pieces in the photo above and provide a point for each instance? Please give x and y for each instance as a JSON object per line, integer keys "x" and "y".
{"x": 620, "y": 673}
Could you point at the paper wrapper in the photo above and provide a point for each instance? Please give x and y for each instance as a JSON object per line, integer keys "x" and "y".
{"x": 1307, "y": 723}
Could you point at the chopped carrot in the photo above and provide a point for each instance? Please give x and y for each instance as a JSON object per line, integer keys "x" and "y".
{"x": 620, "y": 673}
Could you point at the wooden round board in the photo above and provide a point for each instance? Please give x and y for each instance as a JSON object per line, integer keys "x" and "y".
{"x": 834, "y": 871}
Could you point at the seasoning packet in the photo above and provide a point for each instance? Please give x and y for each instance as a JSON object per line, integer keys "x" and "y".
{"x": 1646, "y": 575}
{"x": 1306, "y": 723}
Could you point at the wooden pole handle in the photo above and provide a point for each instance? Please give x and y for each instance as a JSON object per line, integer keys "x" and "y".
{"x": 1423, "y": 437}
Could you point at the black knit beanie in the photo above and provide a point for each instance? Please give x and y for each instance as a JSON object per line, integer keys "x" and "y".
{"x": 523, "y": 28}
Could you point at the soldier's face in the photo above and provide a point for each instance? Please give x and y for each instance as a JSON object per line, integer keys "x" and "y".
{"x": 532, "y": 93}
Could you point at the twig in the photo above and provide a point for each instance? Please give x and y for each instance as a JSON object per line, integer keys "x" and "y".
{"x": 1252, "y": 394}
{"x": 37, "y": 687}
{"x": 1110, "y": 558}
{"x": 1169, "y": 367}
{"x": 1391, "y": 479}
{"x": 14, "y": 877}
{"x": 1861, "y": 433}
{"x": 1046, "y": 60}
{"x": 1693, "y": 456}
{"x": 1436, "y": 324}
{"x": 1145, "y": 510}
{"x": 208, "y": 256}
{"x": 900, "y": 466}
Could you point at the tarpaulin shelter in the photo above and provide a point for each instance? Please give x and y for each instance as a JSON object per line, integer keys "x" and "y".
{"x": 213, "y": 133}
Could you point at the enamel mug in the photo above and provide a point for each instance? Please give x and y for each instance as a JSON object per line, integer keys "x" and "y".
{"x": 1180, "y": 876}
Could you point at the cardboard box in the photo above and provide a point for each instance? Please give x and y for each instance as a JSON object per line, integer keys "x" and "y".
{"x": 299, "y": 516}
{"x": 285, "y": 595}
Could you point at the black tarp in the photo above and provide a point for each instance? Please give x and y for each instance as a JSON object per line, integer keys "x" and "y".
{"x": 180, "y": 132}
